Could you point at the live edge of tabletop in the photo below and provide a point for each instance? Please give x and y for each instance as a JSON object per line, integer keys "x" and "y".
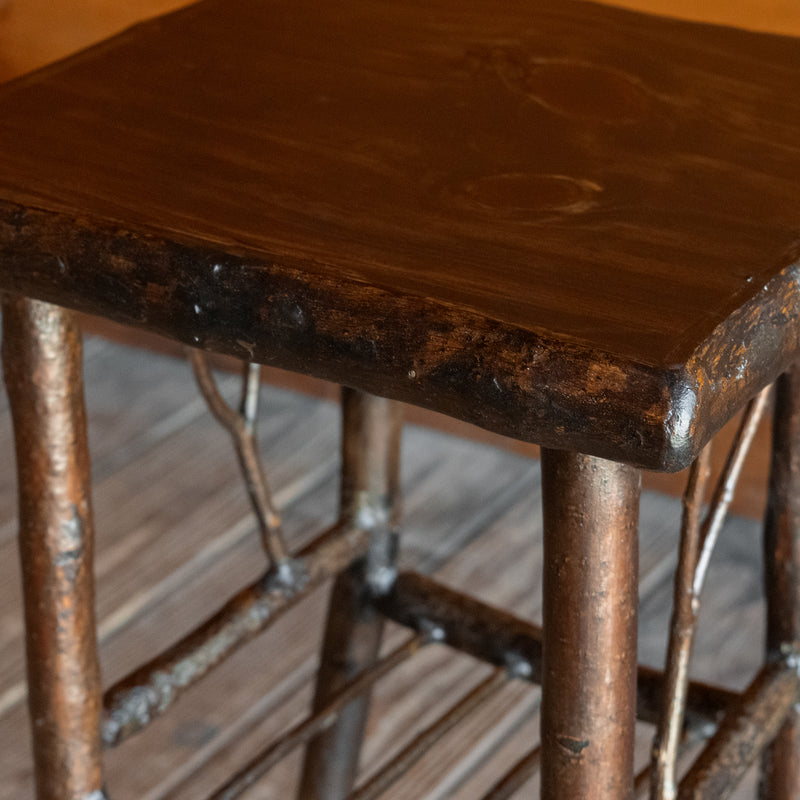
{"x": 571, "y": 224}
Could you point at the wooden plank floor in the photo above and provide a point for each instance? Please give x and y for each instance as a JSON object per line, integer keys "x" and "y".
{"x": 175, "y": 538}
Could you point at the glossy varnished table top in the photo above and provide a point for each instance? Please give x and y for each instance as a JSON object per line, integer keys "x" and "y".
{"x": 572, "y": 224}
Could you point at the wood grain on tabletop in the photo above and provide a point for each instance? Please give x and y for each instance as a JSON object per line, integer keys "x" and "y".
{"x": 35, "y": 32}
{"x": 584, "y": 220}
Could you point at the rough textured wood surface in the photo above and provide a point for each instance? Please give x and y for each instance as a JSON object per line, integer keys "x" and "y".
{"x": 750, "y": 499}
{"x": 175, "y": 538}
{"x": 572, "y": 224}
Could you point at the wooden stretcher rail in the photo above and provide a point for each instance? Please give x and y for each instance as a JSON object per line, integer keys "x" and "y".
{"x": 748, "y": 728}
{"x": 137, "y": 699}
{"x": 502, "y": 639}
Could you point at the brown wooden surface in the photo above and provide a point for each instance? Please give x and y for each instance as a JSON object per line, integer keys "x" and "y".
{"x": 540, "y": 221}
{"x": 36, "y": 32}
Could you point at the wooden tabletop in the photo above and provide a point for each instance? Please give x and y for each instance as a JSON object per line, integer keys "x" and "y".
{"x": 568, "y": 223}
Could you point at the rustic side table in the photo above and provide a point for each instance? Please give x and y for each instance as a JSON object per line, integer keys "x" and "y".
{"x": 570, "y": 224}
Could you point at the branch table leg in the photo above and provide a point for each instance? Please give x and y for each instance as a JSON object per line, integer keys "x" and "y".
{"x": 590, "y": 610}
{"x": 370, "y": 499}
{"x": 43, "y": 373}
{"x": 781, "y": 764}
